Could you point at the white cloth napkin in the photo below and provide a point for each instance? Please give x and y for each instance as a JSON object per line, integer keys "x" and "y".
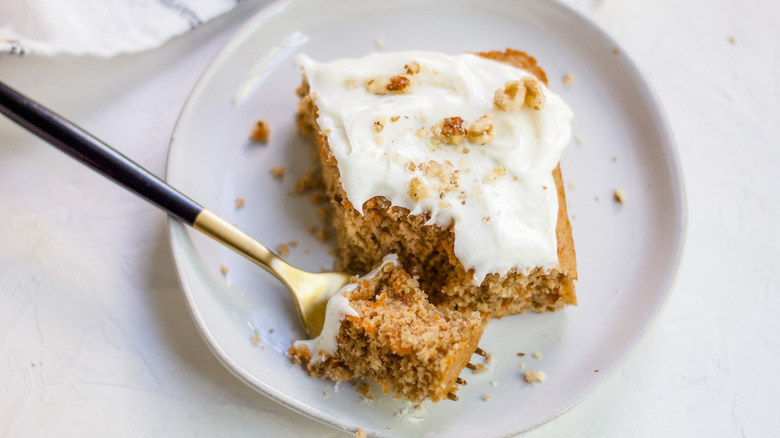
{"x": 99, "y": 27}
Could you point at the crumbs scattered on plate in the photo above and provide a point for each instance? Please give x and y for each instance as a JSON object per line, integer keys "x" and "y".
{"x": 532, "y": 376}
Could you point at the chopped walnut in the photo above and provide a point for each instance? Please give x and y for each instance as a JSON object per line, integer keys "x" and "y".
{"x": 262, "y": 131}
{"x": 496, "y": 173}
{"x": 380, "y": 123}
{"x": 450, "y": 130}
{"x": 412, "y": 68}
{"x": 532, "y": 376}
{"x": 534, "y": 94}
{"x": 433, "y": 169}
{"x": 511, "y": 97}
{"x": 417, "y": 189}
{"x": 398, "y": 84}
{"x": 481, "y": 131}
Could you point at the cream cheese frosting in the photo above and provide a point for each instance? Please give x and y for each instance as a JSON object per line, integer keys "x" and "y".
{"x": 500, "y": 197}
{"x": 325, "y": 345}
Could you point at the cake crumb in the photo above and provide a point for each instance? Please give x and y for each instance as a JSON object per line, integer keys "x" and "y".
{"x": 614, "y": 159}
{"x": 350, "y": 83}
{"x": 256, "y": 339}
{"x": 261, "y": 132}
{"x": 223, "y": 269}
{"x": 620, "y": 196}
{"x": 616, "y": 51}
{"x": 380, "y": 140}
{"x": 310, "y": 180}
{"x": 572, "y": 185}
{"x": 270, "y": 330}
{"x": 486, "y": 397}
{"x": 568, "y": 79}
{"x": 293, "y": 243}
{"x": 732, "y": 40}
{"x": 489, "y": 358}
{"x": 522, "y": 365}
{"x": 380, "y": 42}
{"x": 532, "y": 376}
{"x": 537, "y": 355}
{"x": 481, "y": 368}
{"x": 578, "y": 138}
{"x": 322, "y": 235}
{"x": 521, "y": 354}
{"x": 360, "y": 433}
{"x": 283, "y": 250}
{"x": 494, "y": 383}
{"x": 240, "y": 202}
{"x": 327, "y": 393}
{"x": 318, "y": 198}
{"x": 364, "y": 390}
{"x": 389, "y": 427}
{"x": 595, "y": 371}
{"x": 277, "y": 172}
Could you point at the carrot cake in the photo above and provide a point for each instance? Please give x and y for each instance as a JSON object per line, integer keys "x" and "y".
{"x": 382, "y": 327}
{"x": 450, "y": 162}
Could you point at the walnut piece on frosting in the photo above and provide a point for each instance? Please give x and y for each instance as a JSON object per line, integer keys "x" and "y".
{"x": 534, "y": 95}
{"x": 417, "y": 189}
{"x": 528, "y": 91}
{"x": 450, "y": 130}
{"x": 511, "y": 97}
{"x": 398, "y": 84}
{"x": 412, "y": 68}
{"x": 481, "y": 131}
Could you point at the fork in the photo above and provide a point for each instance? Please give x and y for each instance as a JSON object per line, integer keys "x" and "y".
{"x": 310, "y": 291}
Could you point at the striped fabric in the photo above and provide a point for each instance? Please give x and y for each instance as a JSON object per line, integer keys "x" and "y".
{"x": 99, "y": 27}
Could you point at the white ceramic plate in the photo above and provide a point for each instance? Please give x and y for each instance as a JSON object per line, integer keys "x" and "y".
{"x": 627, "y": 254}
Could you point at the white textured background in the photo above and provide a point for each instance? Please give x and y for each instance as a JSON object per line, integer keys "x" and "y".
{"x": 95, "y": 338}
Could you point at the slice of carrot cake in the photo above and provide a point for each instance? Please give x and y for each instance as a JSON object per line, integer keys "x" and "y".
{"x": 382, "y": 327}
{"x": 451, "y": 162}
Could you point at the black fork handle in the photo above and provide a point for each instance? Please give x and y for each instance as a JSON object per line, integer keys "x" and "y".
{"x": 99, "y": 156}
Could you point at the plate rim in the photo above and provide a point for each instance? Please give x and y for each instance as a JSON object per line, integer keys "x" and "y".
{"x": 668, "y": 145}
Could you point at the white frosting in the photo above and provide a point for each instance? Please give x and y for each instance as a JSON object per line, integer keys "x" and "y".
{"x": 325, "y": 345}
{"x": 506, "y": 222}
